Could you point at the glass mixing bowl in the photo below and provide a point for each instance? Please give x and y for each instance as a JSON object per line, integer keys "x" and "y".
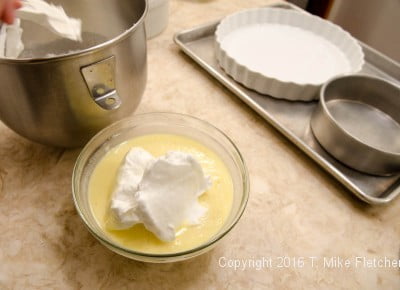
{"x": 159, "y": 123}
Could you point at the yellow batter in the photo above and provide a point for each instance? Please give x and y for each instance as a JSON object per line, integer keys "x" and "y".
{"x": 218, "y": 199}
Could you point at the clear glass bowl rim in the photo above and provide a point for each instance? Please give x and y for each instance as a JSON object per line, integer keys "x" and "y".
{"x": 110, "y": 131}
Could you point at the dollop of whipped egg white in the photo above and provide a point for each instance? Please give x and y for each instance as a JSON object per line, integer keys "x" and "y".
{"x": 46, "y": 14}
{"x": 161, "y": 193}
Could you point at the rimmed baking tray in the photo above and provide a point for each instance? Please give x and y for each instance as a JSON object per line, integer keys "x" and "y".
{"x": 292, "y": 119}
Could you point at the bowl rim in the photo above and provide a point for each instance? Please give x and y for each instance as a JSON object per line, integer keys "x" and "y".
{"x": 79, "y": 53}
{"x": 338, "y": 126}
{"x": 218, "y": 236}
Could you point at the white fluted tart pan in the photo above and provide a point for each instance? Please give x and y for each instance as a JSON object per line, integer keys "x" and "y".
{"x": 285, "y": 54}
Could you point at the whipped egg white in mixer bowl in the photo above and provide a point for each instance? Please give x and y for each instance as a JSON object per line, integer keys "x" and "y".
{"x": 73, "y": 68}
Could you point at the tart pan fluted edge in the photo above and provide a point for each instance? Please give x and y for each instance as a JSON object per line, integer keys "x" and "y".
{"x": 269, "y": 85}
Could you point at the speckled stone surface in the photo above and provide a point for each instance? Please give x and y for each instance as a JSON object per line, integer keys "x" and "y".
{"x": 295, "y": 210}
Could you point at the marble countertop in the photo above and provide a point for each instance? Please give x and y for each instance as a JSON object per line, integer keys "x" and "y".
{"x": 298, "y": 217}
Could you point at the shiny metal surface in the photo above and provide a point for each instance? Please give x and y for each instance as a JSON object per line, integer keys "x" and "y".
{"x": 292, "y": 119}
{"x": 370, "y": 21}
{"x": 357, "y": 121}
{"x": 45, "y": 96}
{"x": 100, "y": 80}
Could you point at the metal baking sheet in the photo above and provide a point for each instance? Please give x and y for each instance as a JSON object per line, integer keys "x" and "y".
{"x": 292, "y": 119}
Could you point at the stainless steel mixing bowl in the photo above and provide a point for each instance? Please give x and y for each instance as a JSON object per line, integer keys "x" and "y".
{"x": 358, "y": 122}
{"x": 62, "y": 92}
